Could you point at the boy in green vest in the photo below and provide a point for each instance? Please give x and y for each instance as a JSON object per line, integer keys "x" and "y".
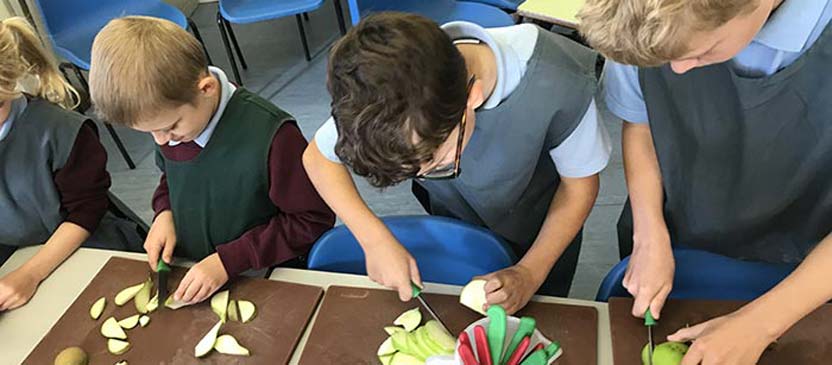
{"x": 727, "y": 148}
{"x": 233, "y": 193}
{"x": 497, "y": 127}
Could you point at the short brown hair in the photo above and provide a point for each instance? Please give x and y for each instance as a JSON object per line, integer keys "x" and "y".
{"x": 398, "y": 87}
{"x": 141, "y": 64}
{"x": 650, "y": 33}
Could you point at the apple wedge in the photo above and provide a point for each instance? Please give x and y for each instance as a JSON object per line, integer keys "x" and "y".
{"x": 97, "y": 308}
{"x": 473, "y": 296}
{"x": 174, "y": 304}
{"x": 153, "y": 304}
{"x": 126, "y": 294}
{"x": 117, "y": 347}
{"x": 233, "y": 314}
{"x": 392, "y": 329}
{"x": 123, "y": 362}
{"x": 111, "y": 329}
{"x": 144, "y": 320}
{"x": 219, "y": 304}
{"x": 207, "y": 343}
{"x": 227, "y": 344}
{"x": 129, "y": 322}
{"x": 143, "y": 296}
{"x": 409, "y": 320}
{"x": 247, "y": 310}
{"x": 386, "y": 347}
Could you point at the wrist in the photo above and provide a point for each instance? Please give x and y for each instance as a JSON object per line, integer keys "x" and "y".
{"x": 771, "y": 322}
{"x": 32, "y": 273}
{"x": 536, "y": 272}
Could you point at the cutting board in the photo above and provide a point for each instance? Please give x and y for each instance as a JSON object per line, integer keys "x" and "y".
{"x": 350, "y": 325}
{"x": 283, "y": 311}
{"x": 808, "y": 342}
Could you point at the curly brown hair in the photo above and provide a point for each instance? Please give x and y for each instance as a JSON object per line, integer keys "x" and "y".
{"x": 398, "y": 87}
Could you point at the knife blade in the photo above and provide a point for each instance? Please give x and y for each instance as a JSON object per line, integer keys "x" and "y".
{"x": 162, "y": 271}
{"x": 649, "y": 322}
{"x": 417, "y": 293}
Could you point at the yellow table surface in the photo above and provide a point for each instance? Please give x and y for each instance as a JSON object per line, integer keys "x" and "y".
{"x": 562, "y": 12}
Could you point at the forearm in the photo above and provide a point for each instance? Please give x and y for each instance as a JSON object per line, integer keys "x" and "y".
{"x": 335, "y": 185}
{"x": 809, "y": 282}
{"x": 567, "y": 213}
{"x": 66, "y": 239}
{"x": 644, "y": 180}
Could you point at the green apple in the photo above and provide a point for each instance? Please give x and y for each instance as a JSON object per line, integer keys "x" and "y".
{"x": 668, "y": 353}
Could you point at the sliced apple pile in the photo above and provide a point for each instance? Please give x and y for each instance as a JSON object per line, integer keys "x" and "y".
{"x": 409, "y": 343}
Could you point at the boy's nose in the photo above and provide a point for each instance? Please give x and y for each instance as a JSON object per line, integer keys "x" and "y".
{"x": 161, "y": 137}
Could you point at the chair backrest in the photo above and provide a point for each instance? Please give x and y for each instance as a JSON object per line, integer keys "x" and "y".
{"x": 440, "y": 11}
{"x": 448, "y": 251}
{"x": 704, "y": 275}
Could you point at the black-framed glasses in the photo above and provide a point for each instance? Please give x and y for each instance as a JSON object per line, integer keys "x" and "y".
{"x": 452, "y": 170}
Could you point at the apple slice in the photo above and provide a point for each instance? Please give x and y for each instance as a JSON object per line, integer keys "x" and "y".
{"x": 219, "y": 304}
{"x": 117, "y": 347}
{"x": 111, "y": 329}
{"x": 144, "y": 320}
{"x": 404, "y": 359}
{"x": 72, "y": 356}
{"x": 439, "y": 336}
{"x": 232, "y": 312}
{"x": 128, "y": 293}
{"x": 122, "y": 362}
{"x": 129, "y": 322}
{"x": 386, "y": 347}
{"x": 409, "y": 320}
{"x": 97, "y": 308}
{"x": 386, "y": 359}
{"x": 153, "y": 304}
{"x": 473, "y": 296}
{"x": 227, "y": 344}
{"x": 392, "y": 329}
{"x": 247, "y": 310}
{"x": 143, "y": 296}
{"x": 174, "y": 304}
{"x": 207, "y": 343}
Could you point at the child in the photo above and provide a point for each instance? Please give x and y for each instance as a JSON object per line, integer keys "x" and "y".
{"x": 736, "y": 156}
{"x": 497, "y": 127}
{"x": 53, "y": 177}
{"x": 233, "y": 194}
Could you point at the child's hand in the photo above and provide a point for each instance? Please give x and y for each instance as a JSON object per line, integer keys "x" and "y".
{"x": 649, "y": 276}
{"x": 510, "y": 288}
{"x": 16, "y": 289}
{"x": 734, "y": 339}
{"x": 161, "y": 239}
{"x": 389, "y": 264}
{"x": 202, "y": 280}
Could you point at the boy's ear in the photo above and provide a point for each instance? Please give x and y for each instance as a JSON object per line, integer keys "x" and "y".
{"x": 476, "y": 97}
{"x": 208, "y": 85}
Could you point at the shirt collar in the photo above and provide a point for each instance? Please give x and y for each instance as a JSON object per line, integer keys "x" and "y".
{"x": 18, "y": 105}
{"x": 789, "y": 27}
{"x": 226, "y": 92}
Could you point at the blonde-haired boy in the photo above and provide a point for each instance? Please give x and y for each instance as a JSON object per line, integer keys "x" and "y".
{"x": 735, "y": 158}
{"x": 232, "y": 179}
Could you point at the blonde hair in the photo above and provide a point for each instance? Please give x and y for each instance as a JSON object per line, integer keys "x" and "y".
{"x": 650, "y": 33}
{"x": 22, "y": 55}
{"x": 142, "y": 64}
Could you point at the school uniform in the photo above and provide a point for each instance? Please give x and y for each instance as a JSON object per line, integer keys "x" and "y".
{"x": 239, "y": 189}
{"x": 52, "y": 171}
{"x": 539, "y": 123}
{"x": 744, "y": 147}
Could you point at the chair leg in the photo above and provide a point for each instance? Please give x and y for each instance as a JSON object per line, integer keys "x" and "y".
{"x": 303, "y": 37}
{"x": 224, "y": 36}
{"x": 198, "y": 37}
{"x": 339, "y": 13}
{"x": 236, "y": 45}
{"x": 306, "y": 16}
{"x": 110, "y": 129}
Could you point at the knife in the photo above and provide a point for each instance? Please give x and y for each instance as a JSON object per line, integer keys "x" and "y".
{"x": 417, "y": 293}
{"x": 649, "y": 322}
{"x": 162, "y": 271}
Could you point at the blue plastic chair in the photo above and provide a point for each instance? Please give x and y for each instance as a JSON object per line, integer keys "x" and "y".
{"x": 440, "y": 11}
{"x": 502, "y": 4}
{"x": 448, "y": 251}
{"x": 73, "y": 24}
{"x": 253, "y": 11}
{"x": 705, "y": 275}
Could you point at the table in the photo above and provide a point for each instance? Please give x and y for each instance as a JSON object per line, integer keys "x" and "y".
{"x": 23, "y": 328}
{"x": 560, "y": 12}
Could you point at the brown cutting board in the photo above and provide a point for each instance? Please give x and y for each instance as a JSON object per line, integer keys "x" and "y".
{"x": 283, "y": 311}
{"x": 350, "y": 325}
{"x": 808, "y": 342}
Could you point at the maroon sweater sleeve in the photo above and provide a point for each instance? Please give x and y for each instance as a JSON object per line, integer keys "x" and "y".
{"x": 83, "y": 181}
{"x": 303, "y": 216}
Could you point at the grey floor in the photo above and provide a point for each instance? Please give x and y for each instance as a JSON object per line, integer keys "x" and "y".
{"x": 278, "y": 71}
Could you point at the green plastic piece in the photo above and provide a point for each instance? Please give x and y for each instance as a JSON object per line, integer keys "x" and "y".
{"x": 162, "y": 266}
{"x": 496, "y": 331}
{"x": 526, "y": 328}
{"x": 552, "y": 349}
{"x": 538, "y": 357}
{"x": 417, "y": 291}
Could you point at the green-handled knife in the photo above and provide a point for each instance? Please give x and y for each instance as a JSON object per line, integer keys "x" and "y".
{"x": 162, "y": 271}
{"x": 649, "y": 322}
{"x": 417, "y": 293}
